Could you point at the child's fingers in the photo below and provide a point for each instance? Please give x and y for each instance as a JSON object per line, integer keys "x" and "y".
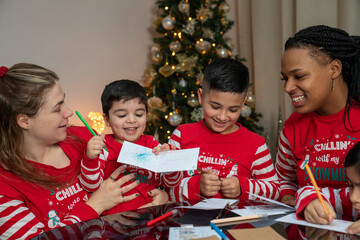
{"x": 102, "y": 136}
{"x": 320, "y": 215}
{"x": 354, "y": 228}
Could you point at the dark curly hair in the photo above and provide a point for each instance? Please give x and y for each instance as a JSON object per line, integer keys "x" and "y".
{"x": 333, "y": 43}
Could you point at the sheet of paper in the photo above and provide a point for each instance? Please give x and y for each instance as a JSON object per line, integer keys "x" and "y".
{"x": 255, "y": 233}
{"x": 337, "y": 225}
{"x": 262, "y": 209}
{"x": 271, "y": 201}
{"x": 184, "y": 233}
{"x": 211, "y": 203}
{"x": 169, "y": 161}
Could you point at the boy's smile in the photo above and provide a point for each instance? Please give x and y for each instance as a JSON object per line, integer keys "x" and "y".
{"x": 127, "y": 120}
{"x": 221, "y": 110}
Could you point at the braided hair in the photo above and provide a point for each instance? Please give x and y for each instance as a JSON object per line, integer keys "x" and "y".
{"x": 334, "y": 43}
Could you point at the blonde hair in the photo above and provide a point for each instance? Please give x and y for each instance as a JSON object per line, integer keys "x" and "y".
{"x": 22, "y": 91}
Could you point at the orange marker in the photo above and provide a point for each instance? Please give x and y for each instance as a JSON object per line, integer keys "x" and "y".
{"x": 316, "y": 188}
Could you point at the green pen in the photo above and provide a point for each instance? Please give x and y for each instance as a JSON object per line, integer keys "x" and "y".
{"x": 87, "y": 126}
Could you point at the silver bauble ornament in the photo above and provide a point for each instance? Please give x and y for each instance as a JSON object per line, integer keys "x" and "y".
{"x": 184, "y": 7}
{"x": 168, "y": 23}
{"x": 182, "y": 83}
{"x": 245, "y": 111}
{"x": 155, "y": 48}
{"x": 175, "y": 46}
{"x": 222, "y": 53}
{"x": 157, "y": 57}
{"x": 175, "y": 119}
{"x": 250, "y": 99}
{"x": 202, "y": 46}
{"x": 193, "y": 101}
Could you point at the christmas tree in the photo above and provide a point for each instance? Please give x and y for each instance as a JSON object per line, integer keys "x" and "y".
{"x": 190, "y": 35}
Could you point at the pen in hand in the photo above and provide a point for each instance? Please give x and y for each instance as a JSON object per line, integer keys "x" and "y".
{"x": 87, "y": 126}
{"x": 308, "y": 170}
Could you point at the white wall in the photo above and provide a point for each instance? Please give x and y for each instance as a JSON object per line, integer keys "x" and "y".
{"x": 88, "y": 43}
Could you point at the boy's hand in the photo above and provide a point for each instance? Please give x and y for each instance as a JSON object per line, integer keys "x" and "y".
{"x": 315, "y": 213}
{"x": 354, "y": 228}
{"x": 230, "y": 187}
{"x": 95, "y": 146}
{"x": 209, "y": 184}
{"x": 159, "y": 197}
{"x": 163, "y": 148}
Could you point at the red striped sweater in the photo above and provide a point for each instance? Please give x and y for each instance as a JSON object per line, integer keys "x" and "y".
{"x": 242, "y": 153}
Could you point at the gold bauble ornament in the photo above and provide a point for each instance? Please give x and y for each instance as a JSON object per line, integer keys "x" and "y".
{"x": 222, "y": 53}
{"x": 166, "y": 70}
{"x": 184, "y": 7}
{"x": 192, "y": 101}
{"x": 202, "y": 46}
{"x": 175, "y": 46}
{"x": 154, "y": 102}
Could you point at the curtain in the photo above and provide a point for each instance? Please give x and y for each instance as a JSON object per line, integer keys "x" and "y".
{"x": 262, "y": 28}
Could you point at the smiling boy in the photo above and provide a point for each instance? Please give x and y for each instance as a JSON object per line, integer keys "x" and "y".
{"x": 236, "y": 161}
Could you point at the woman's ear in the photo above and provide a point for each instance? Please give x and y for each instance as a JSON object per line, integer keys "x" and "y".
{"x": 200, "y": 95}
{"x": 23, "y": 121}
{"x": 336, "y": 68}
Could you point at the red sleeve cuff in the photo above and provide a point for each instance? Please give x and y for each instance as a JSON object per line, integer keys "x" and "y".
{"x": 194, "y": 188}
{"x": 244, "y": 186}
{"x": 287, "y": 192}
{"x": 90, "y": 163}
{"x": 303, "y": 203}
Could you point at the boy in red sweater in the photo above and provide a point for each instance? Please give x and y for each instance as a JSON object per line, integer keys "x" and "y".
{"x": 344, "y": 201}
{"x": 124, "y": 104}
{"x": 234, "y": 160}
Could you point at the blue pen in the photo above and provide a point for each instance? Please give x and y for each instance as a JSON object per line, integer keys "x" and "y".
{"x": 218, "y": 231}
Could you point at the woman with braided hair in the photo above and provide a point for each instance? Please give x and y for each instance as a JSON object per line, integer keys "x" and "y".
{"x": 320, "y": 70}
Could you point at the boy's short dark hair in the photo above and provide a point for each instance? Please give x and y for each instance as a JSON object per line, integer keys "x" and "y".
{"x": 122, "y": 90}
{"x": 226, "y": 75}
{"x": 353, "y": 157}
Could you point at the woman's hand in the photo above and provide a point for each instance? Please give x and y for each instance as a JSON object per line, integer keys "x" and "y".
{"x": 315, "y": 213}
{"x": 159, "y": 197}
{"x": 95, "y": 146}
{"x": 354, "y": 228}
{"x": 110, "y": 192}
{"x": 288, "y": 199}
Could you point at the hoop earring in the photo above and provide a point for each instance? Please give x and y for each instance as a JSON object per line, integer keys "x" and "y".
{"x": 333, "y": 85}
